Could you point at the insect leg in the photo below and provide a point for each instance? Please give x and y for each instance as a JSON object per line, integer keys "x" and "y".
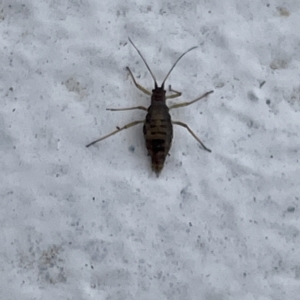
{"x": 116, "y": 131}
{"x": 177, "y": 94}
{"x": 137, "y": 85}
{"x": 191, "y": 102}
{"x": 191, "y": 132}
{"x": 128, "y": 108}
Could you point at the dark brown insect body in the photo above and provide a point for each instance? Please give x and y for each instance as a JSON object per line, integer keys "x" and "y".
{"x": 158, "y": 130}
{"x": 158, "y": 127}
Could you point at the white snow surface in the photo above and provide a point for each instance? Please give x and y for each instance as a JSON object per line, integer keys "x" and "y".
{"x": 96, "y": 223}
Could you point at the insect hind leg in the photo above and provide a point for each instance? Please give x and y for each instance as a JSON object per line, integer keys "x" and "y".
{"x": 191, "y": 132}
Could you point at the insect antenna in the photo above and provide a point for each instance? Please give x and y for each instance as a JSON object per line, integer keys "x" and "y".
{"x": 178, "y": 59}
{"x": 138, "y": 51}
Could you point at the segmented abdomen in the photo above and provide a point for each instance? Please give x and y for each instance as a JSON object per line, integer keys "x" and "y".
{"x": 158, "y": 134}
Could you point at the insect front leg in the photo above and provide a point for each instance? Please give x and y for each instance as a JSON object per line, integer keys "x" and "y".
{"x": 175, "y": 95}
{"x": 191, "y": 132}
{"x": 191, "y": 102}
{"x": 116, "y": 131}
{"x": 144, "y": 90}
{"x": 128, "y": 108}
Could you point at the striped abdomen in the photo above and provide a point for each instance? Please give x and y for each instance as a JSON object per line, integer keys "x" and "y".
{"x": 158, "y": 134}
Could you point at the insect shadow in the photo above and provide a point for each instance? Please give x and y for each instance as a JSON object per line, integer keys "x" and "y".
{"x": 158, "y": 126}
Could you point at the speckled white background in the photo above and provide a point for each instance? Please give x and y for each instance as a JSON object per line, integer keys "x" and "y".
{"x": 96, "y": 223}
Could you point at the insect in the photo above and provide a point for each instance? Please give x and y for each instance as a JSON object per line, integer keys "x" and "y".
{"x": 158, "y": 126}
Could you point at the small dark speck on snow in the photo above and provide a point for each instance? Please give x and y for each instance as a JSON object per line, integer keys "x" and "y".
{"x": 291, "y": 209}
{"x": 131, "y": 148}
